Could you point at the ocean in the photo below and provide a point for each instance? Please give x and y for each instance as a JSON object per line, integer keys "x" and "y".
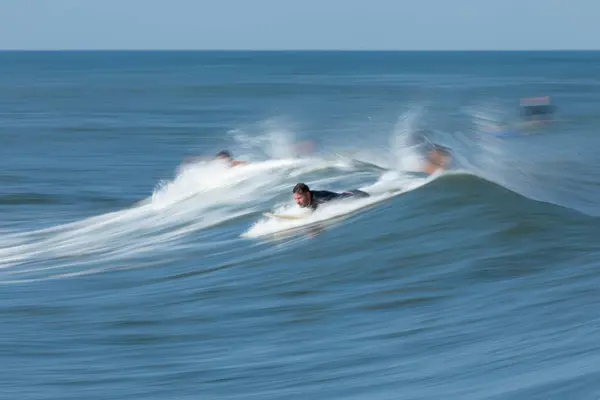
{"x": 133, "y": 265}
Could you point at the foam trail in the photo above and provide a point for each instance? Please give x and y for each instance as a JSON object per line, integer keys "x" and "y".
{"x": 405, "y": 151}
{"x": 201, "y": 196}
{"x": 273, "y": 141}
{"x": 402, "y": 152}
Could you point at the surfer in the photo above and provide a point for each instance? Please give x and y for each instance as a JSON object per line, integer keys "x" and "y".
{"x": 223, "y": 155}
{"x": 438, "y": 158}
{"x": 226, "y": 156}
{"x": 305, "y": 197}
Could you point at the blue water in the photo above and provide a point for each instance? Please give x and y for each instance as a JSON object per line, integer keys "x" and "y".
{"x": 129, "y": 273}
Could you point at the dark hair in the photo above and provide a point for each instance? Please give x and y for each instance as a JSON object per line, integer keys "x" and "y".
{"x": 301, "y": 188}
{"x": 223, "y": 153}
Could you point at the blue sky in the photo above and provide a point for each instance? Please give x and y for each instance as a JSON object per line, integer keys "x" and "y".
{"x": 305, "y": 24}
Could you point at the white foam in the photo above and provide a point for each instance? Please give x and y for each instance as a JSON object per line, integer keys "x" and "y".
{"x": 201, "y": 195}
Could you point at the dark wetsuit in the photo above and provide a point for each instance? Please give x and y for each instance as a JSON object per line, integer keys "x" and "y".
{"x": 323, "y": 196}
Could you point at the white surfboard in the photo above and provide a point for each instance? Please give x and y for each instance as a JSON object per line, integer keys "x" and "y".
{"x": 281, "y": 216}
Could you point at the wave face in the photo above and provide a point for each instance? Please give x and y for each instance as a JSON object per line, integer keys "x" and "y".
{"x": 132, "y": 261}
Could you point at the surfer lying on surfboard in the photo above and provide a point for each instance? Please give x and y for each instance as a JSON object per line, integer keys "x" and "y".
{"x": 305, "y": 197}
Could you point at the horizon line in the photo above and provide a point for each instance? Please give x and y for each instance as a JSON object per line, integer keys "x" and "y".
{"x": 302, "y": 50}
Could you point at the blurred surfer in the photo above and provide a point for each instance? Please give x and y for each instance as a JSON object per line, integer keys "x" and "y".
{"x": 302, "y": 149}
{"x": 223, "y": 155}
{"x": 439, "y": 158}
{"x": 226, "y": 156}
{"x": 306, "y": 198}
